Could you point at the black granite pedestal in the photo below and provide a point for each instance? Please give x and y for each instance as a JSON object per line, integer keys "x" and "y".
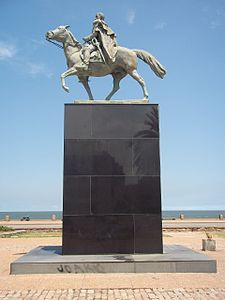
{"x": 112, "y": 206}
{"x": 112, "y": 199}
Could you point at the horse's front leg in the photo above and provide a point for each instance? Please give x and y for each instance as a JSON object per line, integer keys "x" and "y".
{"x": 84, "y": 81}
{"x": 70, "y": 72}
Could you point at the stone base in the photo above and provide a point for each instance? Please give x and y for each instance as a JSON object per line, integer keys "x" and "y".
{"x": 175, "y": 259}
{"x": 111, "y": 184}
{"x": 208, "y": 245}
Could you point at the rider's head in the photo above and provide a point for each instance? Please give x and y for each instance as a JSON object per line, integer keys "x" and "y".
{"x": 100, "y": 16}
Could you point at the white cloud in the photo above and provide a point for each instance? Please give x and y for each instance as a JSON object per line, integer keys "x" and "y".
{"x": 214, "y": 17}
{"x": 220, "y": 12}
{"x": 160, "y": 25}
{"x": 7, "y": 50}
{"x": 8, "y": 53}
{"x": 131, "y": 16}
{"x": 214, "y": 24}
{"x": 35, "y": 69}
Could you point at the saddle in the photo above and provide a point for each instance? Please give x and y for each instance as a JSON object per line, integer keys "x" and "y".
{"x": 94, "y": 57}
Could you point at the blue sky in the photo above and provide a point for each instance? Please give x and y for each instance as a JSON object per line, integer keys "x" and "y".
{"x": 187, "y": 36}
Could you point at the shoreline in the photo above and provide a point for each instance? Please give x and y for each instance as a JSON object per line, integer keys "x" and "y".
{"x": 189, "y": 224}
{"x": 173, "y": 220}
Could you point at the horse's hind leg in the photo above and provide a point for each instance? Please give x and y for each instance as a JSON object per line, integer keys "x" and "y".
{"x": 141, "y": 81}
{"x": 116, "y": 83}
{"x": 84, "y": 81}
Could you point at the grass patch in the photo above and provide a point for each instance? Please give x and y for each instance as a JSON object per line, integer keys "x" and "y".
{"x": 166, "y": 235}
{"x": 33, "y": 234}
{"x": 5, "y": 228}
{"x": 220, "y": 234}
{"x": 45, "y": 233}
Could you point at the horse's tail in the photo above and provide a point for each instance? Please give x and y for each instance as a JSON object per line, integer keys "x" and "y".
{"x": 155, "y": 65}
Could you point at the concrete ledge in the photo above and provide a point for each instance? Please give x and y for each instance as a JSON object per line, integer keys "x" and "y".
{"x": 175, "y": 259}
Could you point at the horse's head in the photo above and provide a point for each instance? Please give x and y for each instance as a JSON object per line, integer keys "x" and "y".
{"x": 60, "y": 34}
{"x": 63, "y": 35}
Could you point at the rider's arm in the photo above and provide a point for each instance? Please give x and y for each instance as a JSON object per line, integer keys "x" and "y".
{"x": 90, "y": 37}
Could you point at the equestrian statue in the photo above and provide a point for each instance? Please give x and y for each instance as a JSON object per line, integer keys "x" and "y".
{"x": 100, "y": 55}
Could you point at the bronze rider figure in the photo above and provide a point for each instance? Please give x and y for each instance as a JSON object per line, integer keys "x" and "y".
{"x": 103, "y": 39}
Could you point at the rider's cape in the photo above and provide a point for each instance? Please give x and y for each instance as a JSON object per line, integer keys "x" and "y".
{"x": 107, "y": 38}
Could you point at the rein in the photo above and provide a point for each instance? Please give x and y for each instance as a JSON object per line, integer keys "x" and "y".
{"x": 56, "y": 44}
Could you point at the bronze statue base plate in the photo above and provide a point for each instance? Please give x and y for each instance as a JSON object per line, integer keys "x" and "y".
{"x": 111, "y": 102}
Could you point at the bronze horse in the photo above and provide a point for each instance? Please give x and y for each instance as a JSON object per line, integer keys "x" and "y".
{"x": 125, "y": 63}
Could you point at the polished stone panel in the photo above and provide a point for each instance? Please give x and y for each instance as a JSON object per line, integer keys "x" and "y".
{"x": 98, "y": 234}
{"x": 98, "y": 157}
{"x": 112, "y": 198}
{"x": 125, "y": 194}
{"x": 148, "y": 230}
{"x": 77, "y": 121}
{"x": 146, "y": 156}
{"x": 76, "y": 194}
{"x": 125, "y": 121}
{"x": 111, "y": 121}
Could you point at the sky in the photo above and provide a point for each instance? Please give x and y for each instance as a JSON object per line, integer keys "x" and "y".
{"x": 186, "y": 36}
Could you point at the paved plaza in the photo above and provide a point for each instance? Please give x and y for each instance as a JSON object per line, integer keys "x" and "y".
{"x": 110, "y": 294}
{"x": 112, "y": 286}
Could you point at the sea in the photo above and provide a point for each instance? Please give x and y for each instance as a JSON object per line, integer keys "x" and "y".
{"x": 166, "y": 214}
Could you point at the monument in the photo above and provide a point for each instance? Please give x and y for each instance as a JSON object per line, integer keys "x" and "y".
{"x": 101, "y": 56}
{"x": 112, "y": 199}
{"x": 111, "y": 185}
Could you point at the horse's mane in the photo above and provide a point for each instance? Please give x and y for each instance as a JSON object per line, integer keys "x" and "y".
{"x": 76, "y": 42}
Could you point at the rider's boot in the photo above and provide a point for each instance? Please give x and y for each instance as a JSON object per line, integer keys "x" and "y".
{"x": 86, "y": 58}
